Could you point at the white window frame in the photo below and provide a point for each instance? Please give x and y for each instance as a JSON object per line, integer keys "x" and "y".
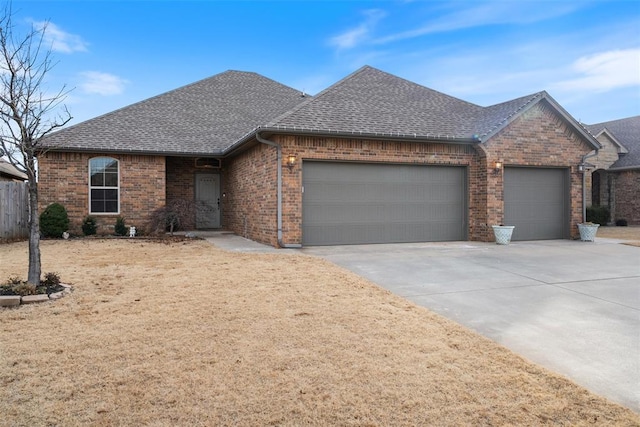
{"x": 117, "y": 188}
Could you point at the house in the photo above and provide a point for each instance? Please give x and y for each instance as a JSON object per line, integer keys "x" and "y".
{"x": 615, "y": 177}
{"x": 374, "y": 158}
{"x": 8, "y": 172}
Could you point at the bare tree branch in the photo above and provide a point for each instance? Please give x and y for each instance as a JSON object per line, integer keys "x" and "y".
{"x": 27, "y": 113}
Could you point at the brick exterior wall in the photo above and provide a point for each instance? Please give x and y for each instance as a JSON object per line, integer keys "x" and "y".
{"x": 250, "y": 207}
{"x": 626, "y": 197}
{"x": 618, "y": 191}
{"x": 538, "y": 138}
{"x": 607, "y": 155}
{"x": 64, "y": 178}
{"x": 249, "y": 202}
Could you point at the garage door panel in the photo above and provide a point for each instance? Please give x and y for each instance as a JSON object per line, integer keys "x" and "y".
{"x": 351, "y": 203}
{"x": 536, "y": 203}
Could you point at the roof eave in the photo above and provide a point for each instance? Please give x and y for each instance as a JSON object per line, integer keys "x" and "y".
{"x": 438, "y": 138}
{"x": 133, "y": 152}
{"x": 623, "y": 168}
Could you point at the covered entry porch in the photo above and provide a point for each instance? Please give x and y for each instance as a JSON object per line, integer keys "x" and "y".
{"x": 193, "y": 190}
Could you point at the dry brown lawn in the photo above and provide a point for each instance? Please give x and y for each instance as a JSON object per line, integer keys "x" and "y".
{"x": 630, "y": 234}
{"x": 186, "y": 334}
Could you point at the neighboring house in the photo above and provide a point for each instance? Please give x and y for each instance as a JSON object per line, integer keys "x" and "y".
{"x": 615, "y": 175}
{"x": 8, "y": 172}
{"x": 372, "y": 159}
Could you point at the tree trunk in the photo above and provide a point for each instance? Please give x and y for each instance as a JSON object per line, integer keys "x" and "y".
{"x": 34, "y": 235}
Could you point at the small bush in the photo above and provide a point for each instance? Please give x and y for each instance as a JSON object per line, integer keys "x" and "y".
{"x": 25, "y": 289}
{"x": 172, "y": 216}
{"x": 16, "y": 286}
{"x": 54, "y": 220}
{"x": 598, "y": 214}
{"x": 51, "y": 279}
{"x": 120, "y": 228}
{"x": 15, "y": 280}
{"x": 89, "y": 226}
{"x": 621, "y": 222}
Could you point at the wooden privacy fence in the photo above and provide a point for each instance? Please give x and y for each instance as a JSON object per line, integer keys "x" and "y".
{"x": 14, "y": 210}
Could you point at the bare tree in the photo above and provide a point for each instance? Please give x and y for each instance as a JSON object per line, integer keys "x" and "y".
{"x": 27, "y": 113}
{"x": 175, "y": 214}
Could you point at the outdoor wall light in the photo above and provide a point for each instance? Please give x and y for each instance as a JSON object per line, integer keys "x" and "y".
{"x": 291, "y": 161}
{"x": 497, "y": 167}
{"x": 581, "y": 167}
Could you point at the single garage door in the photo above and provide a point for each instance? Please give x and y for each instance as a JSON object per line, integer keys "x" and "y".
{"x": 536, "y": 201}
{"x": 358, "y": 203}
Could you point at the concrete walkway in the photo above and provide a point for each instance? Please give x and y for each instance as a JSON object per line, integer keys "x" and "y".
{"x": 571, "y": 306}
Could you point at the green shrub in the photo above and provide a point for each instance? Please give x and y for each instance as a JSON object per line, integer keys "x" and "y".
{"x": 598, "y": 214}
{"x": 16, "y": 286}
{"x": 89, "y": 226}
{"x": 121, "y": 228}
{"x": 54, "y": 220}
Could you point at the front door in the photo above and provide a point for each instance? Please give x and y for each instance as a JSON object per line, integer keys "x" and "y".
{"x": 207, "y": 201}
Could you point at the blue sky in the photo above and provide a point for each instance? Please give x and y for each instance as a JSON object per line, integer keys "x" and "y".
{"x": 586, "y": 54}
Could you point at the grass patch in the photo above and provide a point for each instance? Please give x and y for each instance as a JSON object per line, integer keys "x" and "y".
{"x": 630, "y": 234}
{"x": 187, "y": 334}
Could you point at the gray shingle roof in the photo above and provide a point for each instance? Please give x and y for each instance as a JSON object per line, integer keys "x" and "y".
{"x": 373, "y": 102}
{"x": 627, "y": 132}
{"x": 201, "y": 118}
{"x": 217, "y": 115}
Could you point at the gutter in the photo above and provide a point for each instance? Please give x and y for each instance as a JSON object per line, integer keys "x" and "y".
{"x": 623, "y": 168}
{"x": 584, "y": 178}
{"x": 279, "y": 202}
{"x": 432, "y": 138}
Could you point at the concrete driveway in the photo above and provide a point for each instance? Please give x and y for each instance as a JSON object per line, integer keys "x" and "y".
{"x": 571, "y": 306}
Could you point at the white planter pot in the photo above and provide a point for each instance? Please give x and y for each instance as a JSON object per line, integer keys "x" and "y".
{"x": 588, "y": 232}
{"x": 503, "y": 233}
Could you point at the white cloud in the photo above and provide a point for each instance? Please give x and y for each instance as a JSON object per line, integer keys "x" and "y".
{"x": 483, "y": 14}
{"x": 357, "y": 35}
{"x": 95, "y": 82}
{"x": 59, "y": 40}
{"x": 604, "y": 71}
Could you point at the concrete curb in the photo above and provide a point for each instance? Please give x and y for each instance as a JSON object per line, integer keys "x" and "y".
{"x": 16, "y": 300}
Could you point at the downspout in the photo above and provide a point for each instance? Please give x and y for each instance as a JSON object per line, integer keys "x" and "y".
{"x": 279, "y": 196}
{"x": 584, "y": 182}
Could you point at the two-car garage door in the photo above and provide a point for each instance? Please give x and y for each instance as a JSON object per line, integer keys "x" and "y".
{"x": 358, "y": 203}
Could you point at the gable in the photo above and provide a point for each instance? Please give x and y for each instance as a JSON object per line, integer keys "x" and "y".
{"x": 541, "y": 136}
{"x": 626, "y": 133}
{"x": 544, "y": 102}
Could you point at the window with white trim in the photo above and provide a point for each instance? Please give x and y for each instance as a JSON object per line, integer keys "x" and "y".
{"x": 104, "y": 188}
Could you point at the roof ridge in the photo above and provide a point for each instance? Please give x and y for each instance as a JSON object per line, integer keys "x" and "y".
{"x": 169, "y": 92}
{"x": 603, "y": 124}
{"x": 423, "y": 86}
{"x": 319, "y": 95}
{"x": 527, "y": 99}
{"x": 529, "y": 96}
{"x": 363, "y": 69}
